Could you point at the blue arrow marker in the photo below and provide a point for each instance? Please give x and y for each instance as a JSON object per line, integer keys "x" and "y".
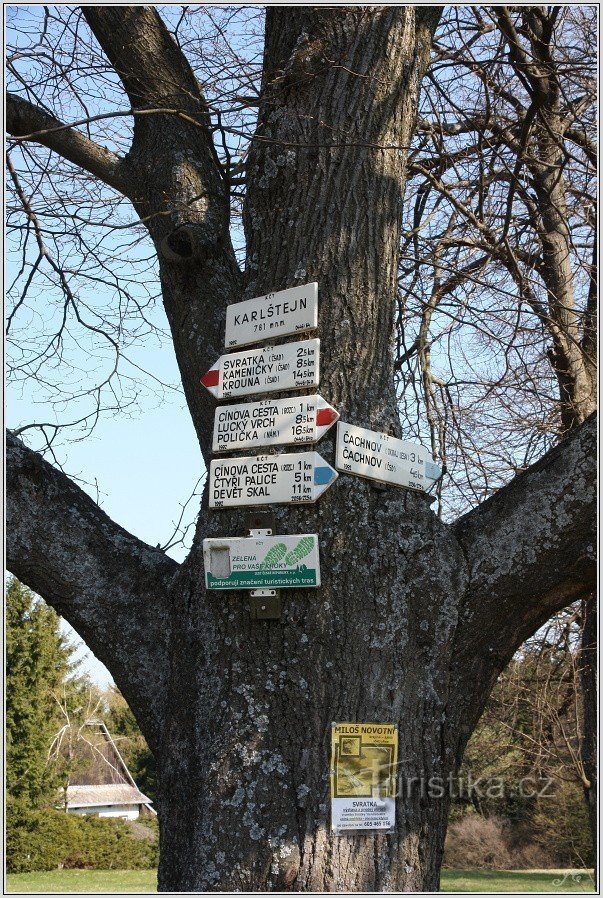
{"x": 432, "y": 471}
{"x": 324, "y": 475}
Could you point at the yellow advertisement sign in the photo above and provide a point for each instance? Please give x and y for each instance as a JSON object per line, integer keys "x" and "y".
{"x": 364, "y": 761}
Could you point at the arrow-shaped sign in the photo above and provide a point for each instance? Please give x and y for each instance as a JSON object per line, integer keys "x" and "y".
{"x": 380, "y": 456}
{"x": 272, "y": 422}
{"x": 268, "y": 370}
{"x": 292, "y": 477}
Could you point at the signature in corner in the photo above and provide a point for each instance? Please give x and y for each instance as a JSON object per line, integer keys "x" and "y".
{"x": 575, "y": 876}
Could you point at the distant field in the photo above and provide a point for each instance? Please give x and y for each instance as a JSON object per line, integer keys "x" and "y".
{"x": 452, "y": 881}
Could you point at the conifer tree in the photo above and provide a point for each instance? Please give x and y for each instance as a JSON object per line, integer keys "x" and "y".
{"x": 39, "y": 667}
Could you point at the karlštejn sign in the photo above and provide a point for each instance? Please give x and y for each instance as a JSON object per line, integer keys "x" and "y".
{"x": 291, "y": 477}
{"x": 267, "y": 562}
{"x": 268, "y": 370}
{"x": 379, "y": 456}
{"x": 300, "y": 419}
{"x": 290, "y": 311}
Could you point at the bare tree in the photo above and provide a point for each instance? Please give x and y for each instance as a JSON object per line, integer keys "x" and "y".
{"x": 76, "y": 711}
{"x": 415, "y": 617}
{"x": 537, "y": 708}
{"x": 502, "y": 240}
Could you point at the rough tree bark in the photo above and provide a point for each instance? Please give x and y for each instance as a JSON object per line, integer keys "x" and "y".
{"x": 415, "y": 618}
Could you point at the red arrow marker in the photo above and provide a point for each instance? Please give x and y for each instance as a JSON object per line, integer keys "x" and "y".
{"x": 326, "y": 416}
{"x": 211, "y": 378}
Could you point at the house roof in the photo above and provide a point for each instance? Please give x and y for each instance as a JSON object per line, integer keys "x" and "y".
{"x": 95, "y": 796}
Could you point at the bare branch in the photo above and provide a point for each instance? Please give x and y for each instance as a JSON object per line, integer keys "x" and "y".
{"x": 23, "y": 119}
{"x": 531, "y": 551}
{"x": 108, "y": 584}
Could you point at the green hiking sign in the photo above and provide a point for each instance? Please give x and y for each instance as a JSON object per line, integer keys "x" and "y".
{"x": 269, "y": 562}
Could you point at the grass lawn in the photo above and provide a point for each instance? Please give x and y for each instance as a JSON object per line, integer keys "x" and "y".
{"x": 452, "y": 881}
{"x": 83, "y": 881}
{"x": 517, "y": 881}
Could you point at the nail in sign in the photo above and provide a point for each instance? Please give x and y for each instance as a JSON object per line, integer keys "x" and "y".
{"x": 289, "y": 478}
{"x": 270, "y": 422}
{"x": 379, "y": 456}
{"x": 290, "y": 366}
{"x": 291, "y": 311}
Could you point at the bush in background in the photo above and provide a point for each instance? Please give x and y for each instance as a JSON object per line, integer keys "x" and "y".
{"x": 560, "y": 826}
{"x": 477, "y": 843}
{"x": 553, "y": 833}
{"x": 531, "y": 729}
{"x": 39, "y": 840}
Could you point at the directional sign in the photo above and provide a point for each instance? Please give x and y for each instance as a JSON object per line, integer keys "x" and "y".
{"x": 292, "y": 477}
{"x": 378, "y": 456}
{"x": 274, "y": 315}
{"x": 300, "y": 419}
{"x": 267, "y": 562}
{"x": 268, "y": 370}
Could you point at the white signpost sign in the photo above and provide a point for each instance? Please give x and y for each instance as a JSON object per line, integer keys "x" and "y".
{"x": 268, "y": 370}
{"x": 292, "y": 477}
{"x": 267, "y": 562}
{"x": 378, "y": 456}
{"x": 300, "y": 419}
{"x": 289, "y": 311}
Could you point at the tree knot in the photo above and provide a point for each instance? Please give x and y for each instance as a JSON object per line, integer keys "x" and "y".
{"x": 190, "y": 243}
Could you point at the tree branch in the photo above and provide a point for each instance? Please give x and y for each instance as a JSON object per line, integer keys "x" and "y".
{"x": 108, "y": 584}
{"x": 153, "y": 70}
{"x": 150, "y": 65}
{"x": 157, "y": 76}
{"x": 24, "y": 120}
{"x": 543, "y": 524}
{"x": 580, "y": 139}
{"x": 531, "y": 551}
{"x": 181, "y": 194}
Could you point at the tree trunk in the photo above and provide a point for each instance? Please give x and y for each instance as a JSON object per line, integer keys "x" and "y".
{"x": 244, "y": 768}
{"x": 329, "y": 138}
{"x": 574, "y": 366}
{"x": 412, "y": 625}
{"x": 237, "y": 711}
